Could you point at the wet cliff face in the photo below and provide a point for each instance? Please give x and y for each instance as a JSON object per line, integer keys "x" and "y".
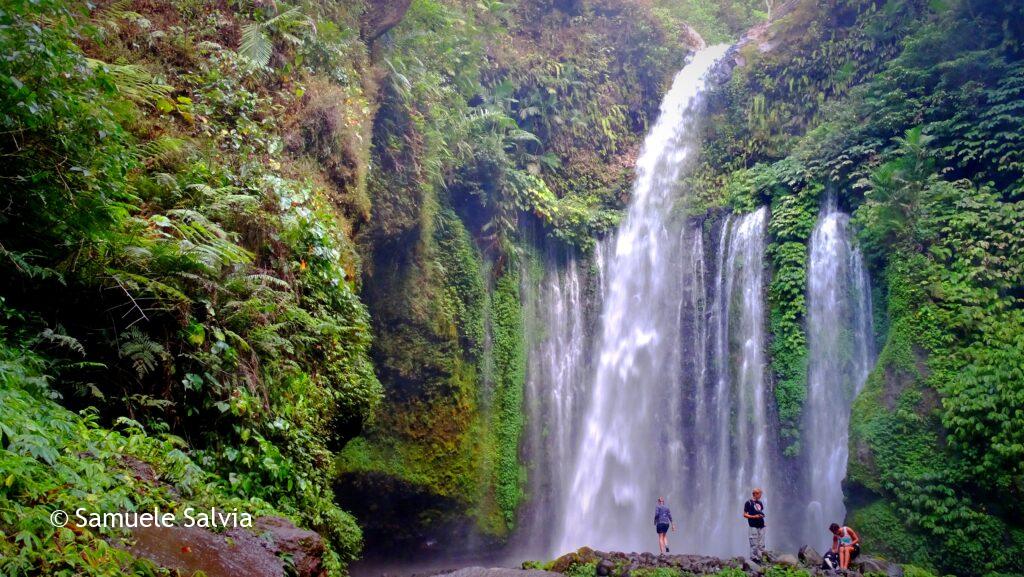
{"x": 381, "y": 16}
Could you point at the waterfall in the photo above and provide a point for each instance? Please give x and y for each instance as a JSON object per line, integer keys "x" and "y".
{"x": 630, "y": 445}
{"x": 734, "y": 407}
{"x": 557, "y": 374}
{"x": 667, "y": 392}
{"x": 840, "y": 346}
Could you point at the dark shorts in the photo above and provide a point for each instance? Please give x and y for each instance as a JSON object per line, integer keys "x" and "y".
{"x": 662, "y": 528}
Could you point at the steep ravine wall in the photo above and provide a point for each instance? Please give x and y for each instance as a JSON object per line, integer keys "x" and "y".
{"x": 447, "y": 269}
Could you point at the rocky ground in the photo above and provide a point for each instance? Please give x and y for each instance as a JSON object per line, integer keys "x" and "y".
{"x": 617, "y": 564}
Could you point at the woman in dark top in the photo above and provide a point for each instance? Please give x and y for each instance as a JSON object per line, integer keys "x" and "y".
{"x": 662, "y": 521}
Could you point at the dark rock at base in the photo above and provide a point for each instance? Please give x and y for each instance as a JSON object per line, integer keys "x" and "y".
{"x": 239, "y": 551}
{"x": 581, "y": 556}
{"x": 810, "y": 557}
{"x": 618, "y": 564}
{"x": 498, "y": 572}
{"x": 305, "y": 547}
{"x": 192, "y": 549}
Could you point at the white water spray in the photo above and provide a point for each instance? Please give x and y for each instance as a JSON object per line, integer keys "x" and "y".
{"x": 630, "y": 442}
{"x": 841, "y": 355}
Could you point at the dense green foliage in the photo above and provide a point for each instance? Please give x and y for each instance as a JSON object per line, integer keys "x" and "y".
{"x": 168, "y": 263}
{"x": 52, "y": 458}
{"x": 278, "y": 255}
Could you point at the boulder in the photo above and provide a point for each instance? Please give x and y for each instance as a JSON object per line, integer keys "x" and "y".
{"x": 605, "y": 567}
{"x": 305, "y": 547}
{"x": 255, "y": 551}
{"x": 581, "y": 556}
{"x": 497, "y": 572}
{"x": 875, "y": 565}
{"x": 810, "y": 557}
{"x": 752, "y": 566}
{"x": 192, "y": 549}
{"x": 787, "y": 559}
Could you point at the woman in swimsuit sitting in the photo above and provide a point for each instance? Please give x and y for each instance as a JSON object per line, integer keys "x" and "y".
{"x": 846, "y": 543}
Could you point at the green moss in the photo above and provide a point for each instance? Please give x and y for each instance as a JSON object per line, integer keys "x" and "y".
{"x": 786, "y": 571}
{"x": 582, "y": 570}
{"x": 792, "y": 221}
{"x": 510, "y": 377}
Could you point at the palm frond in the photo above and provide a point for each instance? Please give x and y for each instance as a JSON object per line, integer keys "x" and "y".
{"x": 256, "y": 45}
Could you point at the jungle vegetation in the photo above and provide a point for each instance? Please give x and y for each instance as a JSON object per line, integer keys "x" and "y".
{"x": 275, "y": 250}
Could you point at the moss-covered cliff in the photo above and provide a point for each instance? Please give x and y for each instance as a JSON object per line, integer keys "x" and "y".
{"x": 512, "y": 115}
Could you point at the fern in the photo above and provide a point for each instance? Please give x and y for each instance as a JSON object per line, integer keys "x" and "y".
{"x": 62, "y": 340}
{"x": 132, "y": 81}
{"x": 144, "y": 353}
{"x": 30, "y": 270}
{"x": 160, "y": 150}
{"x": 256, "y": 44}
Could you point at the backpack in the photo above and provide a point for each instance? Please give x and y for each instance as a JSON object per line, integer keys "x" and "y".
{"x": 830, "y": 560}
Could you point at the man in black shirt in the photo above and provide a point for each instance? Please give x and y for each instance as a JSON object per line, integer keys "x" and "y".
{"x": 753, "y": 512}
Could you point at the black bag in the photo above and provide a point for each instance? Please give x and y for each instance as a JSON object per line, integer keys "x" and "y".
{"x": 830, "y": 560}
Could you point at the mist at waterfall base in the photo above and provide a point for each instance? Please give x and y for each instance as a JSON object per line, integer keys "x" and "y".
{"x": 648, "y": 372}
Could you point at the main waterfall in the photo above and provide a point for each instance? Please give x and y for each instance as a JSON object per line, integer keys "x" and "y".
{"x": 631, "y": 445}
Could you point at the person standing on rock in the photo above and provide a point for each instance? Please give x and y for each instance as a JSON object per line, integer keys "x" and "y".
{"x": 662, "y": 521}
{"x": 753, "y": 512}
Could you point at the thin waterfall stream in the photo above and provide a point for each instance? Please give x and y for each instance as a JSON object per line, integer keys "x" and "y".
{"x": 841, "y": 355}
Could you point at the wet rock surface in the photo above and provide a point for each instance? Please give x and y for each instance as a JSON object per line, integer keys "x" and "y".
{"x": 617, "y": 564}
{"x": 254, "y": 552}
{"x": 809, "y": 556}
{"x": 191, "y": 549}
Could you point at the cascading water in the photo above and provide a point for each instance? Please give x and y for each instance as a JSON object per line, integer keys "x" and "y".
{"x": 840, "y": 340}
{"x": 557, "y": 377}
{"x": 670, "y": 394}
{"x": 630, "y": 447}
{"x": 732, "y": 410}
